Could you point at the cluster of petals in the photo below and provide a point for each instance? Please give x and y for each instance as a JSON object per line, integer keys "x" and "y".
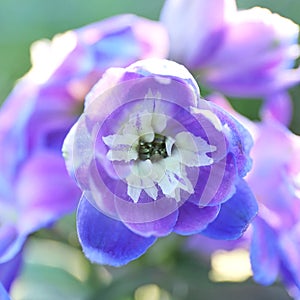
{"x": 152, "y": 157}
{"x": 244, "y": 53}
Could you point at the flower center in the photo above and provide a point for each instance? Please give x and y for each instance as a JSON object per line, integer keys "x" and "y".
{"x": 154, "y": 150}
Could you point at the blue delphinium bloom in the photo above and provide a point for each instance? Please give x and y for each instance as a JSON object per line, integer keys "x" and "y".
{"x": 244, "y": 53}
{"x": 152, "y": 157}
{"x": 35, "y": 188}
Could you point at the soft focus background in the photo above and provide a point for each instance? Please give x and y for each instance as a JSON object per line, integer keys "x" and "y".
{"x": 54, "y": 266}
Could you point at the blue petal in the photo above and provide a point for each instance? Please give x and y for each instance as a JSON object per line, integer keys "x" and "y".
{"x": 264, "y": 253}
{"x": 235, "y": 215}
{"x": 3, "y": 293}
{"x": 11, "y": 242}
{"x": 192, "y": 218}
{"x": 158, "y": 228}
{"x": 10, "y": 270}
{"x": 290, "y": 281}
{"x": 105, "y": 240}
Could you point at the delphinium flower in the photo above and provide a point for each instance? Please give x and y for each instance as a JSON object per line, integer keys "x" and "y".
{"x": 152, "y": 157}
{"x": 35, "y": 188}
{"x": 274, "y": 238}
{"x": 244, "y": 53}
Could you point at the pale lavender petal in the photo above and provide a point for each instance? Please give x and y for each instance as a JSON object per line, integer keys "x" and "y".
{"x": 44, "y": 191}
{"x": 277, "y": 107}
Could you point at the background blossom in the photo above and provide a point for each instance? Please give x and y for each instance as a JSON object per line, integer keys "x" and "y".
{"x": 244, "y": 53}
{"x": 273, "y": 239}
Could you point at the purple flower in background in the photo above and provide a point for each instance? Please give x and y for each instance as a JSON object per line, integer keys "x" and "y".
{"x": 274, "y": 238}
{"x": 275, "y": 180}
{"x": 151, "y": 158}
{"x": 35, "y": 188}
{"x": 248, "y": 53}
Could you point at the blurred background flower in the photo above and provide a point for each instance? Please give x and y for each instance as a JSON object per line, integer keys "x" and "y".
{"x": 244, "y": 53}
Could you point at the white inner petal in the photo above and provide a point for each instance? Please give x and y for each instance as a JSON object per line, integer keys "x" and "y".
{"x": 134, "y": 193}
{"x": 193, "y": 150}
{"x": 153, "y": 173}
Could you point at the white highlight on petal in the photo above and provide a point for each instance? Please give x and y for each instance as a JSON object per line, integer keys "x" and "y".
{"x": 163, "y": 80}
{"x": 193, "y": 150}
{"x": 209, "y": 115}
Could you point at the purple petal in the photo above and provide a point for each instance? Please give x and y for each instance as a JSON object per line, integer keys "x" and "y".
{"x": 235, "y": 215}
{"x": 267, "y": 69}
{"x": 9, "y": 270}
{"x": 198, "y": 21}
{"x": 158, "y": 228}
{"x": 193, "y": 219}
{"x": 240, "y": 140}
{"x": 105, "y": 240}
{"x": 45, "y": 191}
{"x": 278, "y": 107}
{"x": 216, "y": 183}
{"x": 289, "y": 250}
{"x": 3, "y": 293}
{"x": 11, "y": 242}
{"x": 264, "y": 253}
{"x": 291, "y": 283}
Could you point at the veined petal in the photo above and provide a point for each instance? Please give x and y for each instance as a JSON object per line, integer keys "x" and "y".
{"x": 108, "y": 241}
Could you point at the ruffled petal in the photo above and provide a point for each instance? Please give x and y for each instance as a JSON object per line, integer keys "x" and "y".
{"x": 105, "y": 240}
{"x": 264, "y": 253}
{"x": 193, "y": 219}
{"x": 235, "y": 215}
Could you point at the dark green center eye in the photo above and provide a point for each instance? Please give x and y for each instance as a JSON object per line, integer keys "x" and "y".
{"x": 152, "y": 150}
